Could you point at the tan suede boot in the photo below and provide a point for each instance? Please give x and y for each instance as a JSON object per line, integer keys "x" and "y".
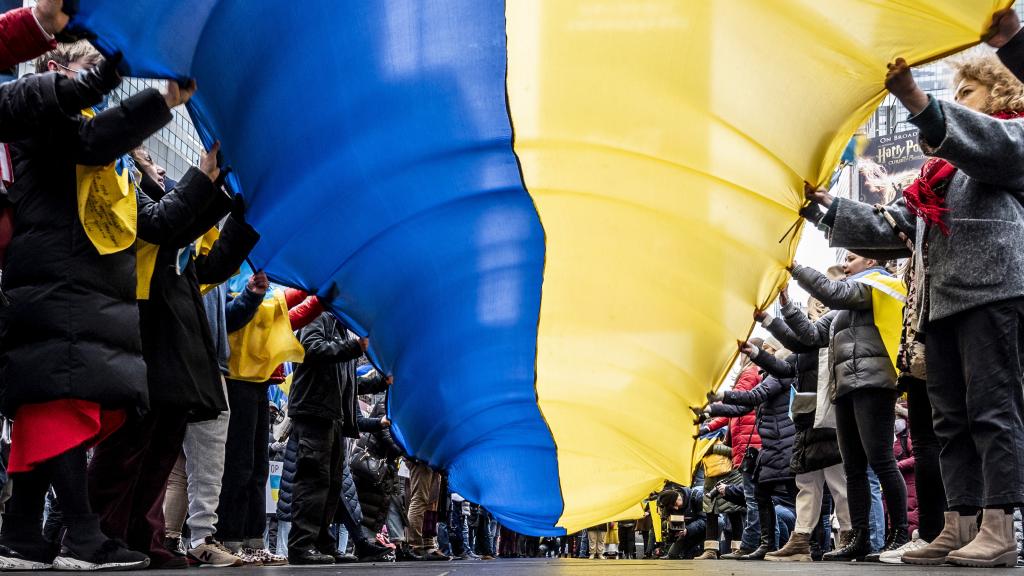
{"x": 994, "y": 547}
{"x": 710, "y": 551}
{"x": 797, "y": 549}
{"x": 957, "y": 532}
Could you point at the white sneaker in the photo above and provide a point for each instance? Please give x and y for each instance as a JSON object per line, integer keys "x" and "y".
{"x": 896, "y": 556}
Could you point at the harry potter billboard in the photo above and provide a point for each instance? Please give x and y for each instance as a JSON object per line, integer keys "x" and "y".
{"x": 887, "y": 164}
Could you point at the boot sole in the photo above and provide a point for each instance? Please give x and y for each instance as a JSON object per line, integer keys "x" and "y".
{"x": 793, "y": 558}
{"x": 76, "y": 565}
{"x": 925, "y": 561}
{"x": 16, "y": 564}
{"x": 1004, "y": 560}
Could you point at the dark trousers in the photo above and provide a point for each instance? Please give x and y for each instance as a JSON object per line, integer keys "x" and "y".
{"x": 23, "y": 516}
{"x": 974, "y": 383}
{"x": 931, "y": 496}
{"x": 317, "y": 486}
{"x": 128, "y": 477}
{"x": 763, "y": 492}
{"x": 686, "y": 545}
{"x": 242, "y": 511}
{"x": 864, "y": 426}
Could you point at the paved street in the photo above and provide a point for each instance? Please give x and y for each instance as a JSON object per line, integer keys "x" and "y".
{"x": 541, "y": 567}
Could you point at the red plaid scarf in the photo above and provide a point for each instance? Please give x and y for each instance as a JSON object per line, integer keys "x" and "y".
{"x": 926, "y": 197}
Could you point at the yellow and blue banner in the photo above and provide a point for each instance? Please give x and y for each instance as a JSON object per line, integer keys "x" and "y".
{"x": 552, "y": 218}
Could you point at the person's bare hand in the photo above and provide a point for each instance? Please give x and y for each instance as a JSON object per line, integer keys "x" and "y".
{"x": 900, "y": 82}
{"x": 365, "y": 343}
{"x": 385, "y": 422}
{"x": 175, "y": 95}
{"x": 759, "y": 315}
{"x": 208, "y": 162}
{"x": 784, "y": 294}
{"x": 1005, "y": 25}
{"x": 258, "y": 283}
{"x": 50, "y": 15}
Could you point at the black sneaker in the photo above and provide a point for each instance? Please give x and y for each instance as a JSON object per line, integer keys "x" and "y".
{"x": 174, "y": 546}
{"x": 11, "y": 559}
{"x": 307, "y": 557}
{"x": 366, "y": 549}
{"x": 112, "y": 555}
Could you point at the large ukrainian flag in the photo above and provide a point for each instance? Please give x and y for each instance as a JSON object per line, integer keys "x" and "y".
{"x": 552, "y": 217}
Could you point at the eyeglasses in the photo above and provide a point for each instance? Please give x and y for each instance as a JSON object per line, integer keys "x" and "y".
{"x": 80, "y": 71}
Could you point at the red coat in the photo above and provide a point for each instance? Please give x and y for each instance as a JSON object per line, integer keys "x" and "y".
{"x": 742, "y": 428}
{"x": 21, "y": 38}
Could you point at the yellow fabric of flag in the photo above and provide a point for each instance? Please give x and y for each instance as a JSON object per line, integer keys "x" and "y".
{"x": 264, "y": 343}
{"x": 665, "y": 143}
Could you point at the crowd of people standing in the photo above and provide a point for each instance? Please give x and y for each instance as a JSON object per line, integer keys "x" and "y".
{"x": 890, "y": 406}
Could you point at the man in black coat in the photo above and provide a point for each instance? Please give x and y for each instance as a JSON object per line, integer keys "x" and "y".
{"x": 129, "y": 472}
{"x": 324, "y": 412}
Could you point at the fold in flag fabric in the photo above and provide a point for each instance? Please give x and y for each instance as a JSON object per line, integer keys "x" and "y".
{"x": 553, "y": 218}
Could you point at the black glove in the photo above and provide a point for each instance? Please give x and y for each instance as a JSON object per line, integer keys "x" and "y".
{"x": 812, "y": 213}
{"x": 238, "y": 208}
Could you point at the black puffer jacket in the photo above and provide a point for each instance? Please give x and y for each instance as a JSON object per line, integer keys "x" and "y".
{"x": 289, "y": 467}
{"x": 72, "y": 329}
{"x": 813, "y": 448}
{"x": 349, "y": 498}
{"x": 376, "y": 452}
{"x": 771, "y": 398}
{"x": 180, "y": 355}
{"x": 857, "y": 355}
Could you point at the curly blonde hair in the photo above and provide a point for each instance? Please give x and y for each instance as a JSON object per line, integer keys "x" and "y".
{"x": 1006, "y": 93}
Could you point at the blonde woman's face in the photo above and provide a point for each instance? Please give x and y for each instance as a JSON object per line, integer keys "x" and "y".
{"x": 972, "y": 94}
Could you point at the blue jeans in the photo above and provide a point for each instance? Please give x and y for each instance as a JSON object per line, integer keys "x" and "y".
{"x": 444, "y": 543}
{"x": 751, "y": 525}
{"x": 487, "y": 528}
{"x": 283, "y": 528}
{"x": 785, "y": 522}
{"x": 877, "y": 517}
{"x": 458, "y": 530}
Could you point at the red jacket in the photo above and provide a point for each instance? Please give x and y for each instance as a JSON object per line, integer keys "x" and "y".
{"x": 21, "y": 38}
{"x": 742, "y": 427}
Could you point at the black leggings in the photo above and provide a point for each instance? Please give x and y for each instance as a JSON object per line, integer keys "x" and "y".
{"x": 864, "y": 425}
{"x": 763, "y": 492}
{"x": 67, "y": 474}
{"x": 931, "y": 496}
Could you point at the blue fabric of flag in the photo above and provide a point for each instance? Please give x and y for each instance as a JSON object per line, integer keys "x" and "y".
{"x": 372, "y": 144}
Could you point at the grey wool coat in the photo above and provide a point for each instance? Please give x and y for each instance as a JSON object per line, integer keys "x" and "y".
{"x": 982, "y": 259}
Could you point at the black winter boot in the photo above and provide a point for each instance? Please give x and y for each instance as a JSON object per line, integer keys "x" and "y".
{"x": 858, "y": 547}
{"x": 767, "y": 520}
{"x": 896, "y": 538}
